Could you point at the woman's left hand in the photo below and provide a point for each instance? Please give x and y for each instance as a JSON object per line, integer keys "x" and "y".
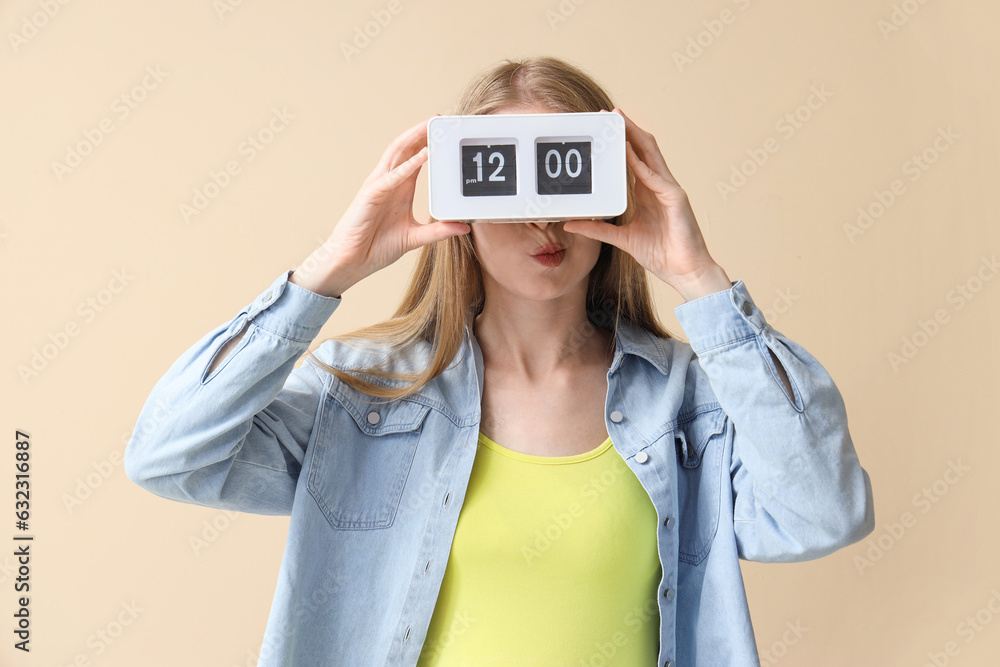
{"x": 662, "y": 235}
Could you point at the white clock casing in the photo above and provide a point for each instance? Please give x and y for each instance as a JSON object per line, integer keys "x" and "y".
{"x": 563, "y": 166}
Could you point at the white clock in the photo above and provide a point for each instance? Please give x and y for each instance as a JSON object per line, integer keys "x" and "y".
{"x": 526, "y": 167}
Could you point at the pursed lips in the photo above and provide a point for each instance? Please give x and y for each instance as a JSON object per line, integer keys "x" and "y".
{"x": 548, "y": 249}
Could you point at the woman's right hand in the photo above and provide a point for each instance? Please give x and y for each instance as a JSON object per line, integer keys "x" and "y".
{"x": 378, "y": 227}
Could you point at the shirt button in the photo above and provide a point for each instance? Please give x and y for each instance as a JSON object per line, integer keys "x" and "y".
{"x": 668, "y": 663}
{"x": 642, "y": 457}
{"x": 616, "y": 416}
{"x": 446, "y": 497}
{"x": 373, "y": 417}
{"x": 669, "y": 594}
{"x": 268, "y": 296}
{"x": 407, "y": 635}
{"x": 669, "y": 523}
{"x": 747, "y": 308}
{"x": 426, "y": 565}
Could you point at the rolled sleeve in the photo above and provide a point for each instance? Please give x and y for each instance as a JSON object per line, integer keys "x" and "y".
{"x": 291, "y": 311}
{"x": 720, "y": 319}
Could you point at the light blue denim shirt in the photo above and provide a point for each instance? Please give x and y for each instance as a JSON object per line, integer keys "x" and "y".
{"x": 735, "y": 467}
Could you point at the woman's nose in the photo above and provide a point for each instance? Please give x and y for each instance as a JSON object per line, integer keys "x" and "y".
{"x": 542, "y": 224}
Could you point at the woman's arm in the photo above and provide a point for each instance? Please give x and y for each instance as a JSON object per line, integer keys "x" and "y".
{"x": 799, "y": 489}
{"x": 227, "y": 426}
{"x": 229, "y": 423}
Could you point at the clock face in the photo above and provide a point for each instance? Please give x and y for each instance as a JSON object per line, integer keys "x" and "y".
{"x": 522, "y": 167}
{"x": 563, "y": 168}
{"x": 489, "y": 170}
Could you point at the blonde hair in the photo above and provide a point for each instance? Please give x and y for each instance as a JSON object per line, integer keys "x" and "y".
{"x": 446, "y": 290}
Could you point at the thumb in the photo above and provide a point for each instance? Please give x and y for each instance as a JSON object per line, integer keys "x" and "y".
{"x": 432, "y": 232}
{"x": 594, "y": 229}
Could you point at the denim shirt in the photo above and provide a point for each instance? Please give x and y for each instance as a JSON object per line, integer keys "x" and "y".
{"x": 734, "y": 465}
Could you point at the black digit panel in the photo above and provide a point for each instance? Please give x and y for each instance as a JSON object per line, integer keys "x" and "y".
{"x": 564, "y": 168}
{"x": 489, "y": 170}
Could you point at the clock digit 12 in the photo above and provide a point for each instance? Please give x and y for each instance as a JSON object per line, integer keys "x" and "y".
{"x": 489, "y": 170}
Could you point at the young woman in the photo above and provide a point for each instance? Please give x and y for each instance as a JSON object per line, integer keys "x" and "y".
{"x": 521, "y": 466}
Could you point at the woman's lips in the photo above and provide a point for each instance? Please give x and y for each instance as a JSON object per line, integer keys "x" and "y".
{"x": 550, "y": 258}
{"x": 548, "y": 248}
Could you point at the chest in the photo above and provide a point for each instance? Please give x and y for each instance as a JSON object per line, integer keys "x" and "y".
{"x": 555, "y": 418}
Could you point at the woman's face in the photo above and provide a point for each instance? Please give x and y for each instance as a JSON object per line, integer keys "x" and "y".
{"x": 506, "y": 250}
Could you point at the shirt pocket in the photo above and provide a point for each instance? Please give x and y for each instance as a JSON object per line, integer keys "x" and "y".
{"x": 700, "y": 442}
{"x": 361, "y": 458}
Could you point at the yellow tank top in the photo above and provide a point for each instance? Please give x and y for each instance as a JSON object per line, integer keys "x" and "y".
{"x": 554, "y": 562}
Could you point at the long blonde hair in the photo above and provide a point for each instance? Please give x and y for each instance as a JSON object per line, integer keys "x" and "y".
{"x": 446, "y": 290}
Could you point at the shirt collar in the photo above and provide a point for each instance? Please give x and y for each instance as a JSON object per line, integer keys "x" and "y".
{"x": 633, "y": 339}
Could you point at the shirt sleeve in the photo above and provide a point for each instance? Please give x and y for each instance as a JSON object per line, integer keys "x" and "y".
{"x": 799, "y": 491}
{"x": 235, "y": 439}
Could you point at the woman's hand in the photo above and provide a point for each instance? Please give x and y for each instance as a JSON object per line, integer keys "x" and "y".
{"x": 378, "y": 227}
{"x": 662, "y": 235}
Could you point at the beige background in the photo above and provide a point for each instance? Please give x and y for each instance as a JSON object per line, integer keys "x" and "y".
{"x": 892, "y": 599}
